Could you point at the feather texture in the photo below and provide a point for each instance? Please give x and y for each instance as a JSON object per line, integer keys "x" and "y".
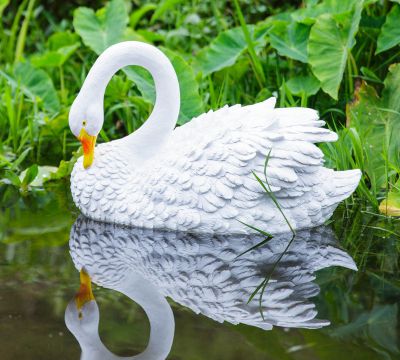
{"x": 202, "y": 179}
{"x": 203, "y": 272}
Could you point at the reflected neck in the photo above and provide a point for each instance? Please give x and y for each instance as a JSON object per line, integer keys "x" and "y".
{"x": 156, "y": 130}
{"x": 159, "y": 312}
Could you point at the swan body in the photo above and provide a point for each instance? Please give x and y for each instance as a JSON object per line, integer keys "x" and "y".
{"x": 202, "y": 272}
{"x": 199, "y": 177}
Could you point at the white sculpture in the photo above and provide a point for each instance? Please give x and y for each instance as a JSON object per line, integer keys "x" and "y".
{"x": 198, "y": 177}
{"x": 84, "y": 322}
{"x": 203, "y": 273}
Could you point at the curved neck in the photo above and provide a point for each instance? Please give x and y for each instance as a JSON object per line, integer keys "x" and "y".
{"x": 159, "y": 312}
{"x": 162, "y": 325}
{"x": 162, "y": 120}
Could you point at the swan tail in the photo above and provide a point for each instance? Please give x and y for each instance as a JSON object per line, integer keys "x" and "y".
{"x": 343, "y": 184}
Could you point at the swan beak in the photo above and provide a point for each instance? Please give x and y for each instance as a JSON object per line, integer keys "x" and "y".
{"x": 88, "y": 142}
{"x": 85, "y": 293}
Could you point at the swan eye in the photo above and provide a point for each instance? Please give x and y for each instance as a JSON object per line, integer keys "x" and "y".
{"x": 84, "y": 122}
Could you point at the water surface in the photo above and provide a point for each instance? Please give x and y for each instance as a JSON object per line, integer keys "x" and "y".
{"x": 317, "y": 306}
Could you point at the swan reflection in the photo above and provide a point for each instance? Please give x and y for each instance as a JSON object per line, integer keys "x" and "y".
{"x": 201, "y": 272}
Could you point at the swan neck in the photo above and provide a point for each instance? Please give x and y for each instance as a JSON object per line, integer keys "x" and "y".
{"x": 165, "y": 113}
{"x": 159, "y": 313}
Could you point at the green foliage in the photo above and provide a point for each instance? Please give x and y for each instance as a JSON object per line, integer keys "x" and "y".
{"x": 191, "y": 102}
{"x": 331, "y": 40}
{"x": 391, "y": 205}
{"x": 38, "y": 85}
{"x": 379, "y": 325}
{"x": 377, "y": 121}
{"x": 61, "y": 46}
{"x": 111, "y": 22}
{"x": 290, "y": 39}
{"x": 303, "y": 86}
{"x": 390, "y": 33}
{"x": 103, "y": 28}
{"x": 29, "y": 176}
{"x": 226, "y": 49}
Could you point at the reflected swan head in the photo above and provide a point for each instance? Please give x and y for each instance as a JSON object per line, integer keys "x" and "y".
{"x": 82, "y": 317}
{"x": 82, "y": 320}
{"x": 83, "y": 323}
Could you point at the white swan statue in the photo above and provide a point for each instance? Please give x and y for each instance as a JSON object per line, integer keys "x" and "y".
{"x": 202, "y": 272}
{"x": 199, "y": 177}
{"x": 82, "y": 318}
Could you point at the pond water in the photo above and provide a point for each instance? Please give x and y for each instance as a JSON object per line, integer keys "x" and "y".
{"x": 315, "y": 305}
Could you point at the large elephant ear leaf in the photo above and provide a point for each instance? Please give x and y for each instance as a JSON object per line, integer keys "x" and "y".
{"x": 191, "y": 101}
{"x": 36, "y": 84}
{"x": 290, "y": 39}
{"x": 103, "y": 28}
{"x": 390, "y": 33}
{"x": 225, "y": 49}
{"x": 331, "y": 39}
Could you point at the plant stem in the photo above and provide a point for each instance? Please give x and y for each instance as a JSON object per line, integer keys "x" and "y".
{"x": 19, "y": 51}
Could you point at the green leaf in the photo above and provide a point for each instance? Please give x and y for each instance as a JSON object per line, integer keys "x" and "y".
{"x": 137, "y": 15}
{"x": 226, "y": 48}
{"x": 65, "y": 168}
{"x": 309, "y": 14}
{"x": 61, "y": 39}
{"x": 60, "y": 46}
{"x": 377, "y": 121}
{"x": 391, "y": 205}
{"x": 331, "y": 39}
{"x": 43, "y": 174}
{"x": 290, "y": 39}
{"x": 12, "y": 178}
{"x": 143, "y": 80}
{"x": 28, "y": 176}
{"x": 164, "y": 6}
{"x": 369, "y": 75}
{"x": 20, "y": 158}
{"x": 191, "y": 101}
{"x": 36, "y": 83}
{"x": 303, "y": 85}
{"x": 54, "y": 58}
{"x": 3, "y": 5}
{"x": 104, "y": 28}
{"x": 390, "y": 32}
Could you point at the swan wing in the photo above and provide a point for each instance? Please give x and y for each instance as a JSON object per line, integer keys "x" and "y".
{"x": 209, "y": 165}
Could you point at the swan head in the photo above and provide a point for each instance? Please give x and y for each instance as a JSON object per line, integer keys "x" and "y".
{"x": 85, "y": 121}
{"x": 82, "y": 313}
{"x": 83, "y": 303}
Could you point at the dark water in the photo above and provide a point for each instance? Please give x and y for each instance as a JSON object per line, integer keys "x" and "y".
{"x": 207, "y": 288}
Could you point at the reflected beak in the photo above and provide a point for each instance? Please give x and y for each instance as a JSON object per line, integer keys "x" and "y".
{"x": 88, "y": 143}
{"x": 84, "y": 294}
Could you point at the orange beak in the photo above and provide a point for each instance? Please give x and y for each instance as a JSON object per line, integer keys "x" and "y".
{"x": 85, "y": 293}
{"x": 88, "y": 143}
